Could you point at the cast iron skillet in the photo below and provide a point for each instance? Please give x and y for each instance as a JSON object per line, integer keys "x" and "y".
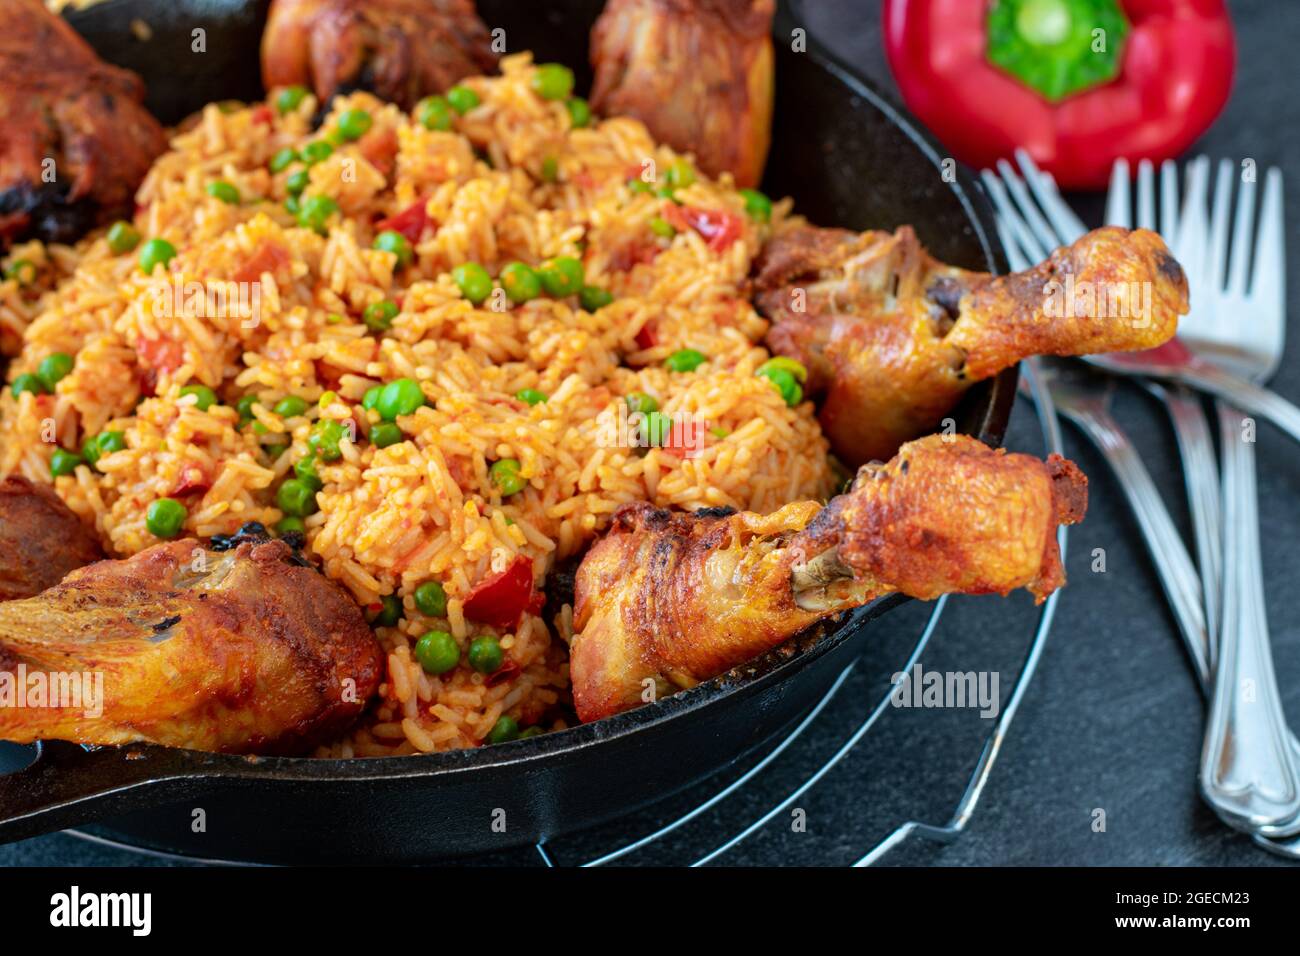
{"x": 849, "y": 159}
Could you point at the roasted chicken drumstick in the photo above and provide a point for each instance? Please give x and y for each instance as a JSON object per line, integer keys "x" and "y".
{"x": 245, "y": 651}
{"x": 41, "y": 540}
{"x": 698, "y": 73}
{"x": 891, "y": 338}
{"x": 666, "y": 600}
{"x": 76, "y": 140}
{"x": 400, "y": 50}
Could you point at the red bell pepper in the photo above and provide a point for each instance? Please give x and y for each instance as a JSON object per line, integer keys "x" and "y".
{"x": 500, "y": 599}
{"x": 1076, "y": 83}
{"x": 410, "y": 222}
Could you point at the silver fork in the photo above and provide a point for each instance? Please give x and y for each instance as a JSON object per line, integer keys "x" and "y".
{"x": 1027, "y": 232}
{"x": 1242, "y": 332}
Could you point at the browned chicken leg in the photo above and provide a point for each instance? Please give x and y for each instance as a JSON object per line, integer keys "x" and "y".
{"x": 891, "y": 338}
{"x": 243, "y": 651}
{"x": 41, "y": 540}
{"x": 698, "y": 73}
{"x": 666, "y": 600}
{"x": 400, "y": 50}
{"x": 75, "y": 140}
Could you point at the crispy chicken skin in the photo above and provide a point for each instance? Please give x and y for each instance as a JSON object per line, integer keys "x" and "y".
{"x": 892, "y": 338}
{"x": 60, "y": 102}
{"x": 400, "y": 50}
{"x": 243, "y": 651}
{"x": 666, "y": 600}
{"x": 41, "y": 540}
{"x": 698, "y": 73}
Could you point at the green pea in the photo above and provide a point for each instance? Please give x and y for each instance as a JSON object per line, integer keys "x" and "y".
{"x": 379, "y": 316}
{"x": 505, "y": 475}
{"x": 317, "y": 152}
{"x": 295, "y": 497}
{"x": 156, "y": 252}
{"x": 667, "y": 192}
{"x": 164, "y": 517}
{"x": 432, "y": 112}
{"x": 520, "y": 282}
{"x": 684, "y": 360}
{"x": 53, "y": 368}
{"x": 399, "y": 397}
{"x": 224, "y": 191}
{"x": 462, "y": 99}
{"x": 485, "y": 654}
{"x": 315, "y": 212}
{"x": 305, "y": 469}
{"x": 593, "y": 297}
{"x": 291, "y": 406}
{"x": 390, "y": 611}
{"x": 579, "y": 112}
{"x": 390, "y": 240}
{"x": 786, "y": 384}
{"x": 553, "y": 81}
{"x": 793, "y": 366}
{"x": 639, "y": 185}
{"x": 680, "y": 174}
{"x": 27, "y": 382}
{"x": 371, "y": 398}
{"x": 505, "y": 729}
{"x": 293, "y": 205}
{"x": 757, "y": 206}
{"x": 531, "y": 396}
{"x": 431, "y": 599}
{"x": 283, "y": 159}
{"x": 122, "y": 237}
{"x": 550, "y": 169}
{"x": 290, "y": 524}
{"x": 384, "y": 434}
{"x": 63, "y": 462}
{"x": 354, "y": 124}
{"x": 641, "y": 402}
{"x": 325, "y": 437}
{"x": 657, "y": 429}
{"x": 474, "y": 282}
{"x": 110, "y": 442}
{"x": 245, "y": 407}
{"x": 561, "y": 276}
{"x": 437, "y": 652}
{"x": 298, "y": 180}
{"x": 204, "y": 397}
{"x": 662, "y": 227}
{"x": 290, "y": 98}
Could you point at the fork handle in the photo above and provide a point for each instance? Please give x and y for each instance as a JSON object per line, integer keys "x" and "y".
{"x": 1247, "y": 769}
{"x": 1178, "y": 576}
{"x": 1243, "y": 394}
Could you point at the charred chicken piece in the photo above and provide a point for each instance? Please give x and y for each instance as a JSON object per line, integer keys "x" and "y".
{"x": 891, "y": 338}
{"x": 242, "y": 651}
{"x": 667, "y": 600}
{"x": 77, "y": 141}
{"x": 400, "y": 50}
{"x": 41, "y": 540}
{"x": 698, "y": 73}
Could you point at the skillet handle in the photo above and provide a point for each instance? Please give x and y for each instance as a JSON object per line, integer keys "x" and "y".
{"x": 68, "y": 785}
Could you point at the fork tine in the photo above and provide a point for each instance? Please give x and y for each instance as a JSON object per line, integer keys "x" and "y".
{"x": 1068, "y": 226}
{"x": 1022, "y": 234}
{"x": 1028, "y": 209}
{"x": 1118, "y": 212}
{"x": 1216, "y": 262}
{"x": 1146, "y": 209}
{"x": 1243, "y": 237}
{"x": 1268, "y": 284}
{"x": 1190, "y": 247}
{"x": 1169, "y": 201}
{"x": 1015, "y": 258}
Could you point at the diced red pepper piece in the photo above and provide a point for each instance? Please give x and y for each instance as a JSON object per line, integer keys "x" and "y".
{"x": 646, "y": 337}
{"x": 161, "y": 354}
{"x": 268, "y": 257}
{"x": 501, "y": 599}
{"x": 410, "y": 222}
{"x": 262, "y": 114}
{"x": 717, "y": 227}
{"x": 193, "y": 479}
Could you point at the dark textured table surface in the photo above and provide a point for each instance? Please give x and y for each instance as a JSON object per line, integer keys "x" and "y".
{"x": 1112, "y": 721}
